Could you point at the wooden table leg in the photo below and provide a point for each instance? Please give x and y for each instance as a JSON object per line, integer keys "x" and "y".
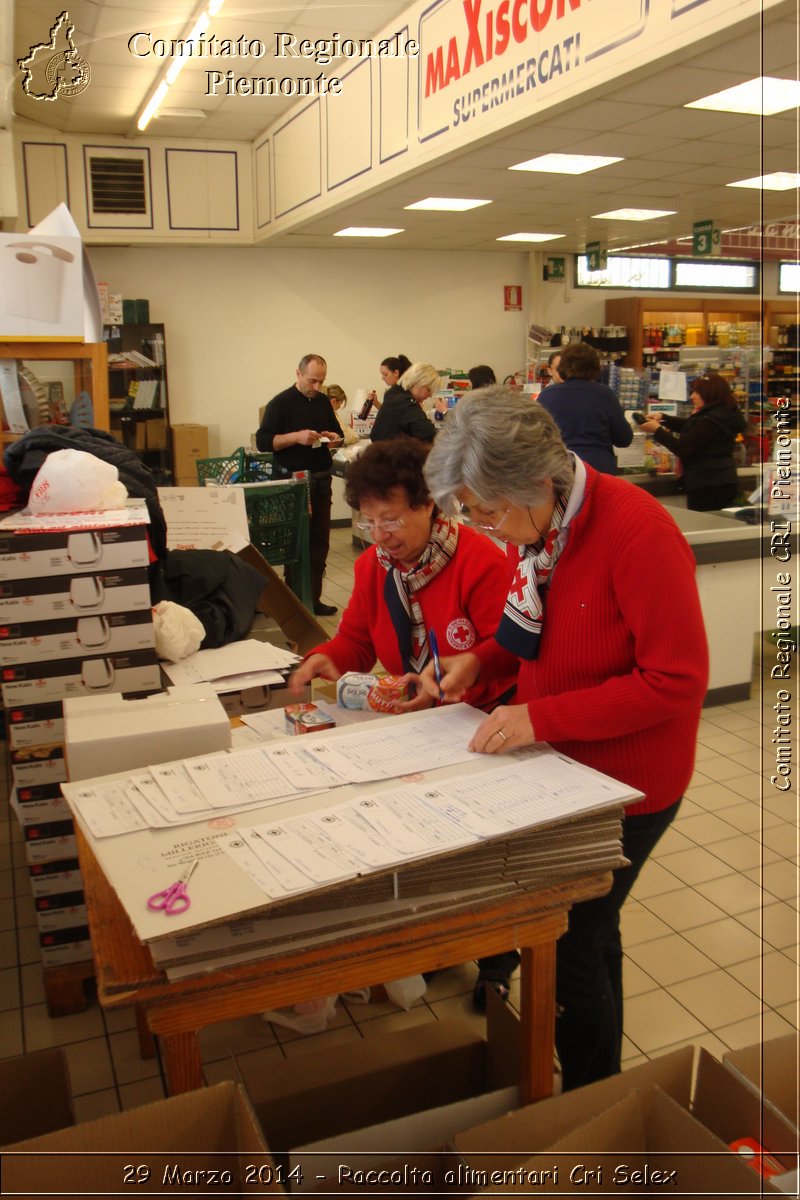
{"x": 538, "y": 1019}
{"x": 180, "y": 1053}
{"x": 147, "y": 1045}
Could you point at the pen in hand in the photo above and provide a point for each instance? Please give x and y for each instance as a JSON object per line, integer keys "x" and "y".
{"x": 437, "y": 662}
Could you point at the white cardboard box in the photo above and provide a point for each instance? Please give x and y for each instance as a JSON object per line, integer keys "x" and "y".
{"x": 76, "y": 637}
{"x": 74, "y": 552}
{"x": 51, "y": 598}
{"x": 108, "y": 734}
{"x": 34, "y": 683}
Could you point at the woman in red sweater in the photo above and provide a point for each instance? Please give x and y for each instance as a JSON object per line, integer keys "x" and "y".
{"x": 424, "y": 572}
{"x": 603, "y": 622}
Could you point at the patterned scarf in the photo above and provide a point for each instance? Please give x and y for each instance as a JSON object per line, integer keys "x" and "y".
{"x": 401, "y": 586}
{"x": 520, "y": 628}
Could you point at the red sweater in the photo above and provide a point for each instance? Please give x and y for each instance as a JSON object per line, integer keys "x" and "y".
{"x": 462, "y": 604}
{"x": 623, "y": 662}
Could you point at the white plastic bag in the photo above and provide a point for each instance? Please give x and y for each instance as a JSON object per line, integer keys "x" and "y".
{"x": 404, "y": 992}
{"x": 178, "y": 631}
{"x": 312, "y": 1016}
{"x": 74, "y": 481}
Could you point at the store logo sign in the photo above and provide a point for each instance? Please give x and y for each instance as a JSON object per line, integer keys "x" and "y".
{"x": 55, "y": 68}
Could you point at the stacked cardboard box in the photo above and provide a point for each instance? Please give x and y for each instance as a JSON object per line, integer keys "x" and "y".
{"x": 189, "y": 443}
{"x": 75, "y": 620}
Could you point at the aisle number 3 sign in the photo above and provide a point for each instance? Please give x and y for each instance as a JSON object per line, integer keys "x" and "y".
{"x": 706, "y": 239}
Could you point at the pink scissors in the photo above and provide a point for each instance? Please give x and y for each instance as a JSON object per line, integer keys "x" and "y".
{"x": 174, "y": 899}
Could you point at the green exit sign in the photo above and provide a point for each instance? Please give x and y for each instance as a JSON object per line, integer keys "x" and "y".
{"x": 596, "y": 256}
{"x": 706, "y": 239}
{"x": 556, "y": 268}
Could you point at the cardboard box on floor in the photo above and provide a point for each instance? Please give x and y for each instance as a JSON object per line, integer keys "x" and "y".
{"x": 771, "y": 1071}
{"x": 646, "y": 1142}
{"x": 378, "y": 1079}
{"x": 696, "y": 1081}
{"x": 189, "y": 443}
{"x": 212, "y": 1129}
{"x": 35, "y": 1095}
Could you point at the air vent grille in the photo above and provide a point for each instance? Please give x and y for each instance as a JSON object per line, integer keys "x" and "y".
{"x": 118, "y": 185}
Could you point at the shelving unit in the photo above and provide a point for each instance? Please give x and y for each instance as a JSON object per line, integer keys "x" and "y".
{"x": 137, "y": 363}
{"x": 78, "y": 366}
{"x": 691, "y": 320}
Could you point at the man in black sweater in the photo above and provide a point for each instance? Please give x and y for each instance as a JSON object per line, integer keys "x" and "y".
{"x": 294, "y": 423}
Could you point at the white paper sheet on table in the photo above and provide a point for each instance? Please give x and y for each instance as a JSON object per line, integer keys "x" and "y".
{"x": 237, "y": 659}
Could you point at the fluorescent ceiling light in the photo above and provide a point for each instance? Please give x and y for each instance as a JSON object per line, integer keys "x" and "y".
{"x": 446, "y": 204}
{"x": 530, "y": 237}
{"x": 169, "y": 74}
{"x": 152, "y": 104}
{"x": 366, "y": 231}
{"x": 776, "y": 181}
{"x": 565, "y": 164}
{"x": 634, "y": 214}
{"x": 764, "y": 96}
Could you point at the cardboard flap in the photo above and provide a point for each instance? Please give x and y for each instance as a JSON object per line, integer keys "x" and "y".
{"x": 279, "y": 602}
{"x": 772, "y": 1069}
{"x": 512, "y": 1138}
{"x": 733, "y": 1110}
{"x": 209, "y": 1129}
{"x": 25, "y": 1082}
{"x": 353, "y": 1085}
{"x": 645, "y": 1142}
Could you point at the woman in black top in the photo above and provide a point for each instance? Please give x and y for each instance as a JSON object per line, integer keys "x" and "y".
{"x": 391, "y": 370}
{"x": 401, "y": 411}
{"x": 704, "y": 442}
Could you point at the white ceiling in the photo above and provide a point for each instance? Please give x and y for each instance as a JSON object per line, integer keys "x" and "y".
{"x": 674, "y": 158}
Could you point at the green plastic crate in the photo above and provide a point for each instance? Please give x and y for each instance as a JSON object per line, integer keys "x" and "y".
{"x": 240, "y": 466}
{"x": 274, "y": 515}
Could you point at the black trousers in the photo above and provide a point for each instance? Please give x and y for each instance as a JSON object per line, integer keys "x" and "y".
{"x": 709, "y": 499}
{"x": 589, "y": 965}
{"x": 319, "y": 531}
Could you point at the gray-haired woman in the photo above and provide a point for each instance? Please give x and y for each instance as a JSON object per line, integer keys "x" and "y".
{"x": 401, "y": 412}
{"x": 603, "y": 620}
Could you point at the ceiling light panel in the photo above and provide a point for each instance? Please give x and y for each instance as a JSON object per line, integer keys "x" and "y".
{"x": 776, "y": 181}
{"x": 634, "y": 214}
{"x": 446, "y": 204}
{"x": 764, "y": 96}
{"x": 565, "y": 164}
{"x": 530, "y": 237}
{"x": 366, "y": 231}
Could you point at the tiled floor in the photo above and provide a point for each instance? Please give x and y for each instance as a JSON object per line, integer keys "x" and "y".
{"x": 711, "y": 931}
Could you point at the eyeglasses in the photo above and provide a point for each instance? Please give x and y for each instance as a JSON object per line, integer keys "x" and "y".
{"x": 468, "y": 519}
{"x": 390, "y": 526}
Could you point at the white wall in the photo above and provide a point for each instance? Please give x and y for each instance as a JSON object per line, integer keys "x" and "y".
{"x": 238, "y": 319}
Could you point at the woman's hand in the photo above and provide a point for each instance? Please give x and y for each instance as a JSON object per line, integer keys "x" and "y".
{"x": 508, "y": 728}
{"x": 459, "y": 673}
{"x": 316, "y": 666}
{"x": 651, "y": 425}
{"x": 420, "y": 701}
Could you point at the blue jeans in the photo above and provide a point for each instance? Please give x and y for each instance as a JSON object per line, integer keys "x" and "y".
{"x": 589, "y": 964}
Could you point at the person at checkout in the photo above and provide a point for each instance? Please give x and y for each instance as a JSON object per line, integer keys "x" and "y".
{"x": 425, "y": 572}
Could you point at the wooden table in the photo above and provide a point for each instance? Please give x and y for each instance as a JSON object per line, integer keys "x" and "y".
{"x": 176, "y": 1011}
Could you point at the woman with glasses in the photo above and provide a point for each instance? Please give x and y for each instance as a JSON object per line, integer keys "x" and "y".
{"x": 423, "y": 572}
{"x": 704, "y": 443}
{"x": 401, "y": 411}
{"x": 603, "y": 624}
